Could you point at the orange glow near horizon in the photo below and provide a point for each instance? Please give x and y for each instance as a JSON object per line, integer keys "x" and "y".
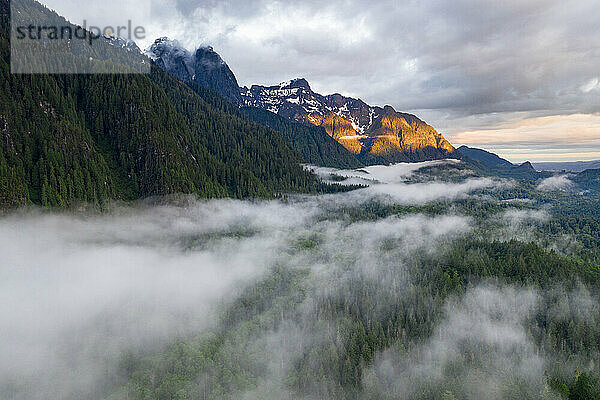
{"x": 573, "y": 137}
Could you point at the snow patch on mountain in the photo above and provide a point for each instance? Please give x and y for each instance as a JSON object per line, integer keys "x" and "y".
{"x": 125, "y": 44}
{"x": 295, "y": 98}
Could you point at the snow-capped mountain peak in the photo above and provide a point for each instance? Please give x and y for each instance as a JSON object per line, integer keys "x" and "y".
{"x": 300, "y": 83}
{"x": 380, "y": 131}
{"x": 294, "y": 98}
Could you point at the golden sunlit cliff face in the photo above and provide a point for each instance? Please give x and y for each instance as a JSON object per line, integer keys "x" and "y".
{"x": 338, "y": 128}
{"x": 390, "y": 133}
{"x": 413, "y": 134}
{"x": 373, "y": 134}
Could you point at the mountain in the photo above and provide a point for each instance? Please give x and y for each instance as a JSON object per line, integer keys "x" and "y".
{"x": 490, "y": 159}
{"x": 68, "y": 139}
{"x": 48, "y": 54}
{"x": 526, "y": 166}
{"x": 373, "y": 134}
{"x": 313, "y": 143}
{"x": 575, "y": 166}
{"x": 204, "y": 67}
{"x": 487, "y": 163}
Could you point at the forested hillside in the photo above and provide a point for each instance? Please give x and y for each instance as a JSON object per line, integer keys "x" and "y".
{"x": 313, "y": 143}
{"x": 380, "y": 300}
{"x": 89, "y": 138}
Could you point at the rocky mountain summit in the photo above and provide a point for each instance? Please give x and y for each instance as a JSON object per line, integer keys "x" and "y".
{"x": 371, "y": 132}
{"x": 204, "y": 67}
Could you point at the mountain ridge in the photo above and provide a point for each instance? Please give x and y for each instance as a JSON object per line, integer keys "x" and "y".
{"x": 94, "y": 138}
{"x": 203, "y": 66}
{"x": 373, "y": 134}
{"x": 488, "y": 158}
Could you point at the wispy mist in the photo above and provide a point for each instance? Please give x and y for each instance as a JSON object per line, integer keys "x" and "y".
{"x": 79, "y": 291}
{"x": 479, "y": 351}
{"x": 556, "y": 183}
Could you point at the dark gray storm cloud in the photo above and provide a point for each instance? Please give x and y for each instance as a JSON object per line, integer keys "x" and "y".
{"x": 467, "y": 57}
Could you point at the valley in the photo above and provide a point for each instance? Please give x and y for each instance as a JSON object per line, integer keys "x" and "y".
{"x": 167, "y": 234}
{"x": 429, "y": 281}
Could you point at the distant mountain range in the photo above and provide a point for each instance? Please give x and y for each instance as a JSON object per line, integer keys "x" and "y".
{"x": 490, "y": 163}
{"x": 574, "y": 166}
{"x": 374, "y": 135}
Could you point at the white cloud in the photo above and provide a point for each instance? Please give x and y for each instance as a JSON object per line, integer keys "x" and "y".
{"x": 555, "y": 183}
{"x": 78, "y": 291}
{"x": 592, "y": 84}
{"x": 390, "y": 184}
{"x": 371, "y": 175}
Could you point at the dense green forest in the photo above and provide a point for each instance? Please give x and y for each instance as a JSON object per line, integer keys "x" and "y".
{"x": 313, "y": 143}
{"x": 362, "y": 333}
{"x": 69, "y": 139}
{"x": 490, "y": 295}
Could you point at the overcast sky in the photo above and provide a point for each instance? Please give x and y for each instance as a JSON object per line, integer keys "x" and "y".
{"x": 521, "y": 78}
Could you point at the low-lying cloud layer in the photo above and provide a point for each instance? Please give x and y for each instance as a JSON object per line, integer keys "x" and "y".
{"x": 479, "y": 351}
{"x": 79, "y": 291}
{"x": 391, "y": 184}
